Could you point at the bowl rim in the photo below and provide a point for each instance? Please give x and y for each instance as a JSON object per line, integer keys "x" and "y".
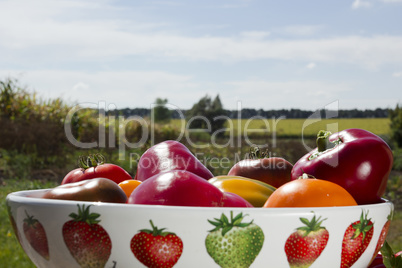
{"x": 24, "y": 197}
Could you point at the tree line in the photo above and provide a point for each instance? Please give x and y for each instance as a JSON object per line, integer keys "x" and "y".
{"x": 209, "y": 106}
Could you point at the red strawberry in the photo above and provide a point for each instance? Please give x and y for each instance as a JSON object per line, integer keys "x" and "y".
{"x": 36, "y": 235}
{"x": 156, "y": 248}
{"x": 383, "y": 235}
{"x": 87, "y": 241}
{"x": 356, "y": 239}
{"x": 305, "y": 245}
{"x": 13, "y": 223}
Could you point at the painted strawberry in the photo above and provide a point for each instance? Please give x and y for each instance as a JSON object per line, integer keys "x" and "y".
{"x": 156, "y": 248}
{"x": 356, "y": 239}
{"x": 87, "y": 241}
{"x": 306, "y": 244}
{"x": 13, "y": 223}
{"x": 233, "y": 243}
{"x": 36, "y": 235}
{"x": 383, "y": 235}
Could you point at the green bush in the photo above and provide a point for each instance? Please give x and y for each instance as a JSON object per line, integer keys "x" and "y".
{"x": 396, "y": 125}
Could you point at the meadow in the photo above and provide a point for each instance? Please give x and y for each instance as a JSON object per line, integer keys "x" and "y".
{"x": 296, "y": 128}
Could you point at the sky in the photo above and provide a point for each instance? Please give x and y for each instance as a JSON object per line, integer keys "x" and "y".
{"x": 258, "y": 54}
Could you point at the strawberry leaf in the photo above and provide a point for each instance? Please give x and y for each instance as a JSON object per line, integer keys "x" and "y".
{"x": 225, "y": 225}
{"x": 215, "y": 223}
{"x": 224, "y": 219}
{"x": 362, "y": 226}
{"x": 30, "y": 220}
{"x": 226, "y": 229}
{"x": 155, "y": 231}
{"x": 305, "y": 221}
{"x": 237, "y": 217}
{"x": 84, "y": 215}
{"x": 311, "y": 226}
{"x": 237, "y": 222}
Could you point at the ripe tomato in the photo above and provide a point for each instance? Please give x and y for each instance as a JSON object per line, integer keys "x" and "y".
{"x": 310, "y": 192}
{"x": 274, "y": 171}
{"x": 254, "y": 191}
{"x": 355, "y": 159}
{"x": 128, "y": 186}
{"x": 93, "y": 166}
{"x": 96, "y": 190}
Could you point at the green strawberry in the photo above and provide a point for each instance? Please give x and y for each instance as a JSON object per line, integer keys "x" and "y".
{"x": 234, "y": 243}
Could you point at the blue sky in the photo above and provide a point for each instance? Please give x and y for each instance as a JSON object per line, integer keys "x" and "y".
{"x": 254, "y": 54}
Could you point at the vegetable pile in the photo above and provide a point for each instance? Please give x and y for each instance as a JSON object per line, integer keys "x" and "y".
{"x": 347, "y": 168}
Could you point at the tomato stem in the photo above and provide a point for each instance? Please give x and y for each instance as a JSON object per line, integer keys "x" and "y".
{"x": 257, "y": 153}
{"x": 91, "y": 160}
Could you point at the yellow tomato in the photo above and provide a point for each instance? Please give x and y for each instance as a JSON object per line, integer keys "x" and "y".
{"x": 128, "y": 186}
{"x": 254, "y": 191}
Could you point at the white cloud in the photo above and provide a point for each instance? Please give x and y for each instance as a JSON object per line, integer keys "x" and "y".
{"x": 122, "y": 88}
{"x": 29, "y": 28}
{"x": 311, "y": 65}
{"x": 255, "y": 35}
{"x": 80, "y": 86}
{"x": 391, "y": 1}
{"x": 361, "y": 4}
{"x": 309, "y": 95}
{"x": 301, "y": 30}
{"x": 100, "y": 40}
{"x": 397, "y": 74}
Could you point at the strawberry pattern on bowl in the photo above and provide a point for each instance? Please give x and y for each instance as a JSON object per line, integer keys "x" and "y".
{"x": 97, "y": 234}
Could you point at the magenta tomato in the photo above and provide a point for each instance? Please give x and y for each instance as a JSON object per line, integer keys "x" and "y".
{"x": 182, "y": 188}
{"x": 355, "y": 159}
{"x": 169, "y": 155}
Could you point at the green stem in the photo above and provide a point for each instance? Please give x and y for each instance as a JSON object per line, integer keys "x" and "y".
{"x": 324, "y": 144}
{"x": 91, "y": 160}
{"x": 322, "y": 140}
{"x": 257, "y": 153}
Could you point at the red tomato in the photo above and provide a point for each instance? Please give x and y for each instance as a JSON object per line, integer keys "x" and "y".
{"x": 92, "y": 167}
{"x": 310, "y": 192}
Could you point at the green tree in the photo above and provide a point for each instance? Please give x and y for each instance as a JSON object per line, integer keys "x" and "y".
{"x": 160, "y": 111}
{"x": 396, "y": 125}
{"x": 206, "y": 114}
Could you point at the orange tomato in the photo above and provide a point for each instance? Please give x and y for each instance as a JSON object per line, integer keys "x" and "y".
{"x": 310, "y": 192}
{"x": 128, "y": 186}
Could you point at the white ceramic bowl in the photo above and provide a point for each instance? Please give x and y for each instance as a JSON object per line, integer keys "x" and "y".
{"x": 191, "y": 224}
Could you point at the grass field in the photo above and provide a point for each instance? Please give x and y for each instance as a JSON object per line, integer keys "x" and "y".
{"x": 298, "y": 127}
{"x": 11, "y": 253}
{"x": 310, "y": 127}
